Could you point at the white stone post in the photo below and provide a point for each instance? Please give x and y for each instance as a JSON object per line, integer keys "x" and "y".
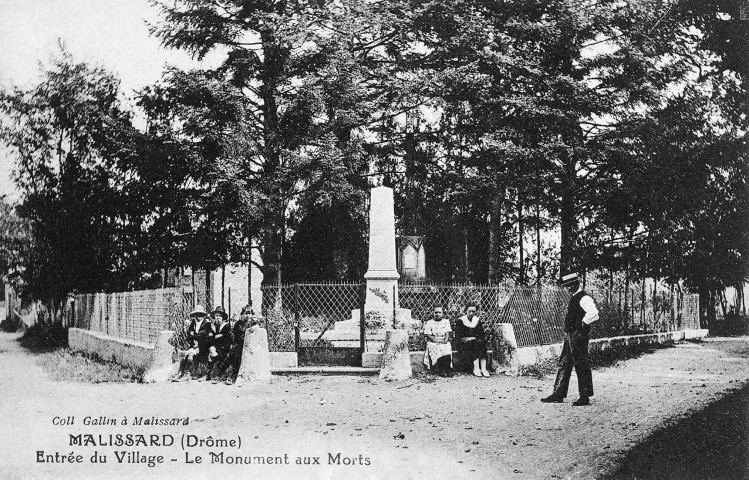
{"x": 255, "y": 364}
{"x": 160, "y": 367}
{"x": 396, "y": 360}
{"x": 507, "y": 341}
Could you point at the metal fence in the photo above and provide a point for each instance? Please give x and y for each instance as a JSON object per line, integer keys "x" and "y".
{"x": 325, "y": 316}
{"x": 298, "y": 316}
{"x": 307, "y": 315}
{"x": 537, "y": 315}
{"x": 632, "y": 311}
{"x": 138, "y": 315}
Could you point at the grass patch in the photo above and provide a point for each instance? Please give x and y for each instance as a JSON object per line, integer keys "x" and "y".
{"x": 542, "y": 368}
{"x": 739, "y": 347}
{"x": 598, "y": 358}
{"x": 614, "y": 355}
{"x": 45, "y": 337}
{"x": 50, "y": 342}
{"x": 65, "y": 365}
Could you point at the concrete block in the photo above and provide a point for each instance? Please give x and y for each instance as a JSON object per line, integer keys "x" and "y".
{"x": 693, "y": 334}
{"x": 283, "y": 360}
{"x": 531, "y": 355}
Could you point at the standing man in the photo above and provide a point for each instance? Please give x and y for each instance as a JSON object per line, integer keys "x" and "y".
{"x": 581, "y": 312}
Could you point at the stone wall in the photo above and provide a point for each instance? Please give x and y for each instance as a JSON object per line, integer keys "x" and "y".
{"x": 126, "y": 352}
{"x": 531, "y": 355}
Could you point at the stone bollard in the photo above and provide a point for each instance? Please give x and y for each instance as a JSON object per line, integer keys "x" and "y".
{"x": 160, "y": 367}
{"x": 255, "y": 365}
{"x": 396, "y": 361}
{"x": 508, "y": 345}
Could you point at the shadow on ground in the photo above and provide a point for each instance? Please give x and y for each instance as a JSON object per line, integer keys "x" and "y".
{"x": 44, "y": 338}
{"x": 712, "y": 443}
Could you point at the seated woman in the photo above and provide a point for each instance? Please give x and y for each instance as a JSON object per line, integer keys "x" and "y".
{"x": 230, "y": 366}
{"x": 438, "y": 356}
{"x": 222, "y": 341}
{"x": 472, "y": 340}
{"x": 199, "y": 334}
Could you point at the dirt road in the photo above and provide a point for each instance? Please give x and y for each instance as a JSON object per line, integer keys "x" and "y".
{"x": 462, "y": 427}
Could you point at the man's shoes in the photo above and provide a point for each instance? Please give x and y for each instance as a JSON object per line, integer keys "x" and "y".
{"x": 553, "y": 398}
{"x": 581, "y": 402}
{"x": 477, "y": 373}
{"x": 485, "y": 373}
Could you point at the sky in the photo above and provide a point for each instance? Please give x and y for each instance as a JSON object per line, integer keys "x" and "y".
{"x": 110, "y": 33}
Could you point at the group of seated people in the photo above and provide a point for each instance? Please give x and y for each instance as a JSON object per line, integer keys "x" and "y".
{"x": 471, "y": 342}
{"x": 214, "y": 345}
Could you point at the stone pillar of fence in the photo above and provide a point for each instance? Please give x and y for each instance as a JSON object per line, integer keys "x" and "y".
{"x": 506, "y": 349}
{"x": 396, "y": 360}
{"x": 161, "y": 367}
{"x": 255, "y": 364}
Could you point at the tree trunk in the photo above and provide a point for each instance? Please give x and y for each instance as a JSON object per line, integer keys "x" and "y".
{"x": 249, "y": 277}
{"x": 208, "y": 291}
{"x": 626, "y": 296}
{"x": 539, "y": 274}
{"x": 495, "y": 227}
{"x": 272, "y": 257}
{"x": 194, "y": 290}
{"x": 223, "y": 285}
{"x": 567, "y": 217}
{"x": 465, "y": 254}
{"x": 274, "y": 62}
{"x": 520, "y": 242}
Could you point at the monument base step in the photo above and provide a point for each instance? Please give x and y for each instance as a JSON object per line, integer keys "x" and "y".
{"x": 326, "y": 370}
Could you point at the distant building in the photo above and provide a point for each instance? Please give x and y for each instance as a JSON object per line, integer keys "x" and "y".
{"x": 231, "y": 286}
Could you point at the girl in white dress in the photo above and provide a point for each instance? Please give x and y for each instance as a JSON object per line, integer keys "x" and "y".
{"x": 438, "y": 356}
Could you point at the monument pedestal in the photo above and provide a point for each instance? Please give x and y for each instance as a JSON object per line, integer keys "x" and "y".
{"x": 381, "y": 310}
{"x": 347, "y": 334}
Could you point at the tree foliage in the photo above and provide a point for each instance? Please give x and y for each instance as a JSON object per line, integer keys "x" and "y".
{"x": 64, "y": 134}
{"x": 617, "y": 126}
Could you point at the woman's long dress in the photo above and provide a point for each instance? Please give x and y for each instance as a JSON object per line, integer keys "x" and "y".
{"x": 472, "y": 349}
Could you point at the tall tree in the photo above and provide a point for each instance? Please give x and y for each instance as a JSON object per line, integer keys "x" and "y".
{"x": 15, "y": 243}
{"x": 62, "y": 134}
{"x": 305, "y": 79}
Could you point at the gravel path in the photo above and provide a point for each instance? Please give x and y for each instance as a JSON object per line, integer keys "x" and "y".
{"x": 649, "y": 416}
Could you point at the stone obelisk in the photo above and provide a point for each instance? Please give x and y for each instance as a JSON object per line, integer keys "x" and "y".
{"x": 381, "y": 302}
{"x": 382, "y": 273}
